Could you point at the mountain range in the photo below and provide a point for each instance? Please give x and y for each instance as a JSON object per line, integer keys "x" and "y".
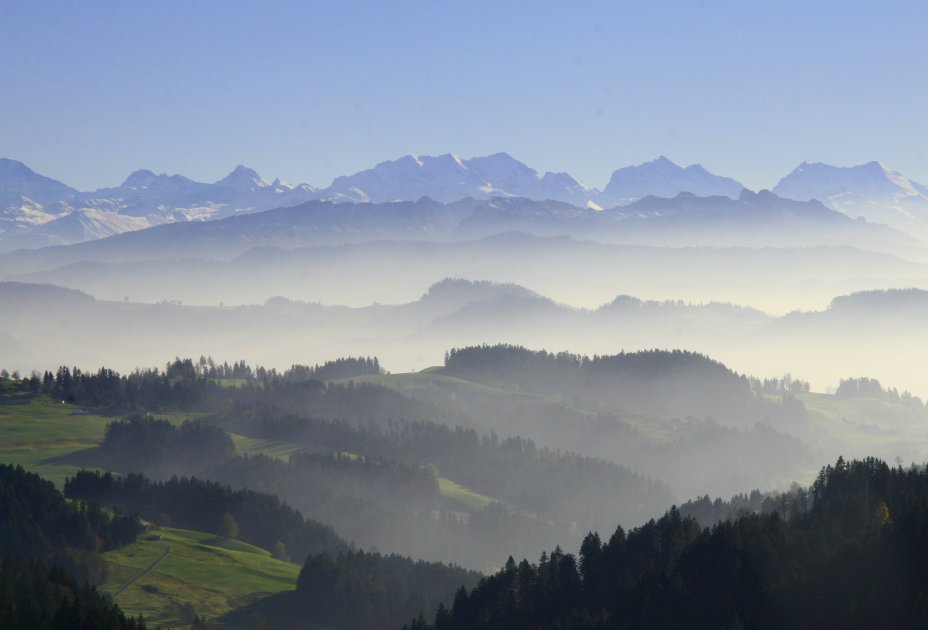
{"x": 872, "y": 191}
{"x": 36, "y": 210}
{"x": 753, "y": 220}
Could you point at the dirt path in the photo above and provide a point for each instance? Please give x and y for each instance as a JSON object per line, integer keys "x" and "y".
{"x": 148, "y": 569}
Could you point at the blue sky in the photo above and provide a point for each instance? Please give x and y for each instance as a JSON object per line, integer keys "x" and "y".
{"x": 308, "y": 90}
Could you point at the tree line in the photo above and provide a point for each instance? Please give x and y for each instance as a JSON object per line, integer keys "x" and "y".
{"x": 257, "y": 518}
{"x": 358, "y": 590}
{"x": 854, "y": 558}
{"x": 50, "y": 557}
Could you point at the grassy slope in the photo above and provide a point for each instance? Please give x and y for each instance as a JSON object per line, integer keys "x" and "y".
{"x": 40, "y": 433}
{"x": 856, "y": 422}
{"x": 869, "y": 424}
{"x": 281, "y": 449}
{"x": 211, "y": 574}
{"x": 464, "y": 497}
{"x": 51, "y": 439}
{"x": 437, "y": 388}
{"x": 48, "y": 437}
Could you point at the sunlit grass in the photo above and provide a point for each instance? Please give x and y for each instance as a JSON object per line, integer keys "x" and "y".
{"x": 868, "y": 425}
{"x": 279, "y": 449}
{"x": 39, "y": 433}
{"x": 36, "y": 435}
{"x": 463, "y": 495}
{"x": 201, "y": 572}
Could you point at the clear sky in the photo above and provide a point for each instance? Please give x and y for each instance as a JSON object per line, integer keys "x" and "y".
{"x": 305, "y": 91}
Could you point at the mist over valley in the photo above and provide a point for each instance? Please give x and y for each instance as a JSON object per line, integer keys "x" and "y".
{"x": 463, "y": 316}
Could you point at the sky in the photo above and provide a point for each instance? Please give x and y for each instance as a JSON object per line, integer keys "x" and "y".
{"x": 306, "y": 91}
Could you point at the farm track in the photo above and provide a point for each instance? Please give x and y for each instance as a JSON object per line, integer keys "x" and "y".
{"x": 148, "y": 569}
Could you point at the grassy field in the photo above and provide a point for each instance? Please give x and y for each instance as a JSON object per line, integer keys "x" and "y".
{"x": 191, "y": 571}
{"x": 54, "y": 439}
{"x": 281, "y": 449}
{"x": 855, "y": 422}
{"x": 434, "y": 386}
{"x": 43, "y": 436}
{"x": 200, "y": 572}
{"x": 465, "y": 496}
{"x": 169, "y": 574}
{"x": 870, "y": 426}
{"x": 48, "y": 438}
{"x": 862, "y": 409}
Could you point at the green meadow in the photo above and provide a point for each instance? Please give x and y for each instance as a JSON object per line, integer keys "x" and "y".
{"x": 43, "y": 436}
{"x": 201, "y": 573}
{"x": 466, "y": 497}
{"x": 171, "y": 573}
{"x": 55, "y": 439}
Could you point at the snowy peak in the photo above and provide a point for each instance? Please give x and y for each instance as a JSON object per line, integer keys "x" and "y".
{"x": 409, "y": 177}
{"x": 500, "y": 167}
{"x": 139, "y": 180}
{"x": 665, "y": 178}
{"x": 243, "y": 179}
{"x": 448, "y": 178}
{"x": 872, "y": 191}
{"x": 19, "y": 183}
{"x": 37, "y": 211}
{"x": 146, "y": 183}
{"x": 871, "y": 181}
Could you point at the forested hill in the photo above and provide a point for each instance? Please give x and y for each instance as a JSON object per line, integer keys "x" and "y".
{"x": 45, "y": 544}
{"x": 854, "y": 559}
{"x": 257, "y": 518}
{"x": 357, "y": 590}
{"x": 676, "y": 382}
{"x": 418, "y": 488}
{"x": 338, "y": 587}
{"x": 37, "y": 522}
{"x": 204, "y": 385}
{"x": 34, "y": 597}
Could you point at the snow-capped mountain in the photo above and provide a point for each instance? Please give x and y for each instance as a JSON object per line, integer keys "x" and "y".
{"x": 36, "y": 210}
{"x": 28, "y": 199}
{"x": 664, "y": 178}
{"x": 449, "y": 178}
{"x": 872, "y": 191}
{"x": 244, "y": 179}
{"x": 175, "y": 197}
{"x": 753, "y": 220}
{"x": 18, "y": 180}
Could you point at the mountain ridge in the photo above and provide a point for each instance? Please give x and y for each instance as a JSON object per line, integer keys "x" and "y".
{"x": 754, "y": 220}
{"x": 36, "y": 210}
{"x": 872, "y": 191}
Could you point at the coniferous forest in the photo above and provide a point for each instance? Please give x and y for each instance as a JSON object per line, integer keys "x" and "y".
{"x": 463, "y": 315}
{"x": 50, "y": 556}
{"x": 492, "y": 531}
{"x": 850, "y": 555}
